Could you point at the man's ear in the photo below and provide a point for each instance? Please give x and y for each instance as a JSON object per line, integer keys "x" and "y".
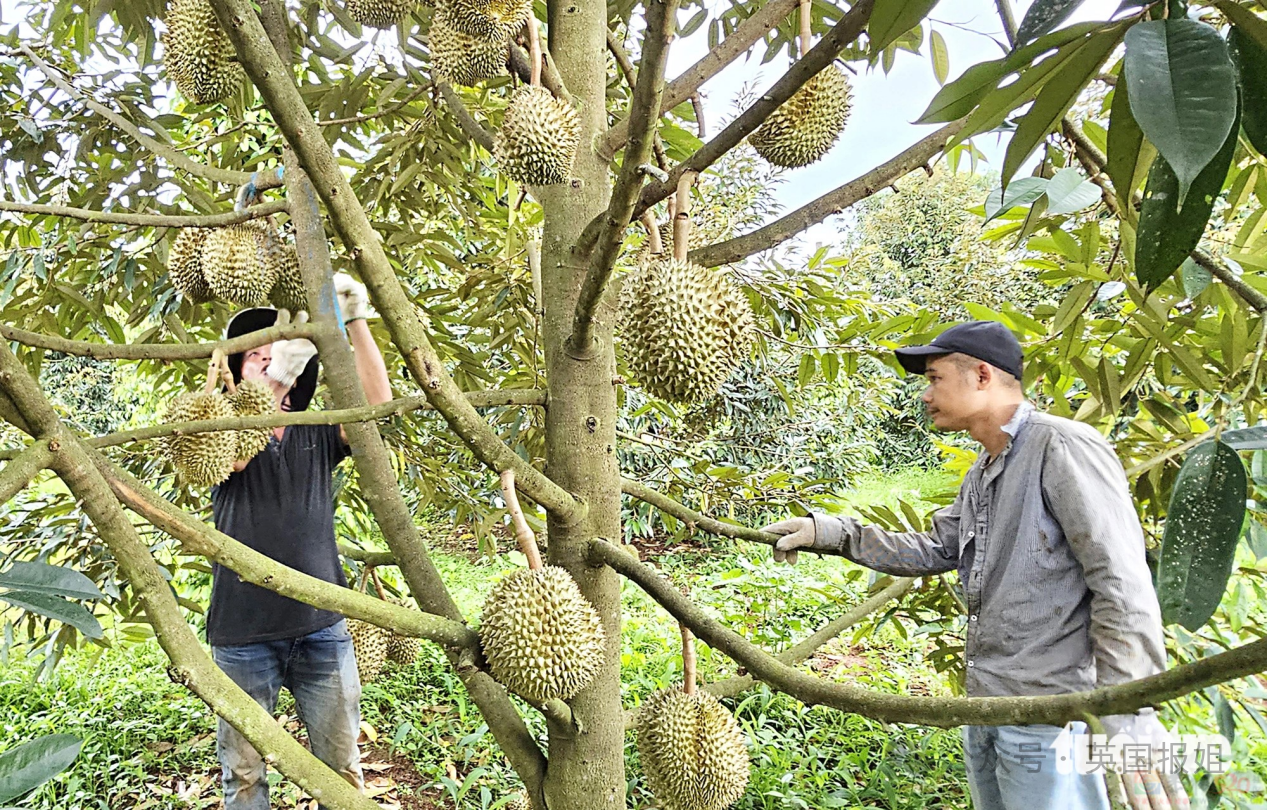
{"x": 985, "y": 373}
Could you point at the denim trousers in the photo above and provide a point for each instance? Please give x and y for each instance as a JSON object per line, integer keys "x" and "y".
{"x": 319, "y": 669}
{"x": 1017, "y": 768}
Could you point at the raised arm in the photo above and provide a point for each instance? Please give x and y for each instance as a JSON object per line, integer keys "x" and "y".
{"x": 354, "y": 304}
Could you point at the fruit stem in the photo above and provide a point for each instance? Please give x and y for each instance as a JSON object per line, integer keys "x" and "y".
{"x": 689, "y": 663}
{"x": 378, "y": 585}
{"x": 653, "y": 233}
{"x": 806, "y": 34}
{"x": 213, "y": 371}
{"x": 523, "y": 532}
{"x": 534, "y": 50}
{"x": 682, "y": 217}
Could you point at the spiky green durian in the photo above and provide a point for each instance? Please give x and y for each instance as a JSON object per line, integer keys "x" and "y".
{"x": 201, "y": 459}
{"x": 238, "y": 264}
{"x": 288, "y": 292}
{"x": 184, "y": 265}
{"x": 538, "y": 139}
{"x": 693, "y": 753}
{"x": 488, "y": 19}
{"x": 461, "y": 58}
{"x": 379, "y": 13}
{"x": 198, "y": 54}
{"x": 369, "y": 645}
{"x": 253, "y": 398}
{"x": 808, "y": 124}
{"x": 542, "y": 638}
{"x": 403, "y": 650}
{"x": 685, "y": 328}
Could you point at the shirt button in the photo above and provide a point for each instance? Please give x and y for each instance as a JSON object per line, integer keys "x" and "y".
{"x": 971, "y": 664}
{"x": 972, "y": 618}
{"x": 971, "y": 535}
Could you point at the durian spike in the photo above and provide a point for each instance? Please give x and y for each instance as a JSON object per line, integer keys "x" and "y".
{"x": 653, "y": 233}
{"x": 534, "y": 49}
{"x": 378, "y": 583}
{"x": 689, "y": 661}
{"x": 806, "y": 35}
{"x": 213, "y": 371}
{"x": 682, "y": 217}
{"x": 523, "y": 532}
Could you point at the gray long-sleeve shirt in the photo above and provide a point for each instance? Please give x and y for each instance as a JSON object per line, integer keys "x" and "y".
{"x": 1051, "y": 558}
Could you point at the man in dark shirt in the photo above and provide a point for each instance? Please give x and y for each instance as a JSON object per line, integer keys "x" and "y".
{"x": 281, "y": 504}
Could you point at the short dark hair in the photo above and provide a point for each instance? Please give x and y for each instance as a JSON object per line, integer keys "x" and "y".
{"x": 968, "y": 363}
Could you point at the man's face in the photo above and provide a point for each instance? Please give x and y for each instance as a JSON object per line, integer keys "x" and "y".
{"x": 255, "y": 363}
{"x": 955, "y": 393}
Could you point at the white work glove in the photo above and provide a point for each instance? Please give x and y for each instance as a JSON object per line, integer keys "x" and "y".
{"x": 1149, "y": 785}
{"x": 354, "y": 301}
{"x": 290, "y": 357}
{"x": 797, "y": 533}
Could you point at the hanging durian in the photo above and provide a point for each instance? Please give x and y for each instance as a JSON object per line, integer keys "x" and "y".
{"x": 184, "y": 265}
{"x": 252, "y": 398}
{"x": 693, "y": 754}
{"x": 461, "y": 58}
{"x": 198, "y": 54}
{"x": 808, "y": 124}
{"x": 379, "y": 13}
{"x": 488, "y": 19}
{"x": 403, "y": 650}
{"x": 202, "y": 459}
{"x": 288, "y": 292}
{"x": 685, "y": 328}
{"x": 542, "y": 639}
{"x": 538, "y": 139}
{"x": 238, "y": 265}
{"x": 369, "y": 646}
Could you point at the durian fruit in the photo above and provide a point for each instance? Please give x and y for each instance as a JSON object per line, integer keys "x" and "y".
{"x": 379, "y": 13}
{"x": 288, "y": 292}
{"x": 201, "y": 459}
{"x": 542, "y": 639}
{"x": 518, "y": 802}
{"x": 238, "y": 265}
{"x": 488, "y": 19}
{"x": 198, "y": 54}
{"x": 685, "y": 329}
{"x": 184, "y": 265}
{"x": 252, "y": 398}
{"x": 369, "y": 644}
{"x": 693, "y": 753}
{"x": 403, "y": 650}
{"x": 461, "y": 58}
{"x": 538, "y": 139}
{"x": 808, "y": 124}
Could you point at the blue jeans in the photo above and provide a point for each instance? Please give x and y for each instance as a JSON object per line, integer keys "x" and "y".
{"x": 1016, "y": 768}
{"x": 319, "y": 669}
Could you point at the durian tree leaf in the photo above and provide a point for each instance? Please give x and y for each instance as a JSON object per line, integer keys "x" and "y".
{"x": 54, "y": 607}
{"x": 1194, "y": 277}
{"x": 891, "y": 19}
{"x": 1167, "y": 233}
{"x": 1252, "y": 438}
{"x": 51, "y": 580}
{"x": 27, "y": 766}
{"x": 1022, "y": 192}
{"x": 1243, "y": 20}
{"x": 1250, "y": 57}
{"x": 1042, "y": 16}
{"x": 1203, "y": 525}
{"x": 1056, "y": 97}
{"x": 939, "y": 55}
{"x": 1182, "y": 92}
{"x": 1069, "y": 191}
{"x": 1124, "y": 143}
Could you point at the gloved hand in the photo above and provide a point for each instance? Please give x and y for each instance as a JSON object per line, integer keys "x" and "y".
{"x": 354, "y": 301}
{"x": 797, "y": 533}
{"x": 290, "y": 357}
{"x": 1150, "y": 784}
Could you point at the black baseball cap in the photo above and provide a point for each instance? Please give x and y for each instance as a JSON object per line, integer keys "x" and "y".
{"x": 253, "y": 320}
{"x": 988, "y": 341}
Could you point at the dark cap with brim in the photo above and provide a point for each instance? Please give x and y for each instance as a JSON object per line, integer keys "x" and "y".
{"x": 253, "y": 320}
{"x": 988, "y": 341}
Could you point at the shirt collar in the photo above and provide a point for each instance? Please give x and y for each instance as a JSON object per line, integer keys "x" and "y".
{"x": 1019, "y": 418}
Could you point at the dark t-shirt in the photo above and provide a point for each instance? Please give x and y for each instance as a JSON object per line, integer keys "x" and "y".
{"x": 282, "y": 505}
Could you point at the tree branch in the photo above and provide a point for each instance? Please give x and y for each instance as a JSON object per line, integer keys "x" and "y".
{"x": 19, "y": 472}
{"x": 521, "y": 65}
{"x": 473, "y": 129}
{"x": 749, "y": 32}
{"x": 155, "y": 351}
{"x": 661, "y": 19}
{"x": 945, "y": 712}
{"x": 372, "y": 559}
{"x": 388, "y": 110}
{"x": 808, "y": 66}
{"x": 622, "y": 59}
{"x": 695, "y": 519}
{"x": 168, "y": 153}
{"x": 350, "y": 221}
{"x": 833, "y": 202}
{"x": 150, "y": 220}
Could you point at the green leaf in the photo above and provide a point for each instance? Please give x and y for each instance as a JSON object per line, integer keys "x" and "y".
{"x": 1167, "y": 234}
{"x": 1022, "y": 192}
{"x": 1056, "y": 97}
{"x": 1203, "y": 524}
{"x": 1042, "y": 16}
{"x": 891, "y": 19}
{"x": 1182, "y": 92}
{"x": 26, "y": 767}
{"x": 1253, "y": 438}
{"x": 1195, "y": 278}
{"x": 52, "y": 580}
{"x": 1068, "y": 191}
{"x": 1125, "y": 140}
{"x": 54, "y": 607}
{"x": 939, "y": 55}
{"x": 1251, "y": 62}
{"x": 1244, "y": 20}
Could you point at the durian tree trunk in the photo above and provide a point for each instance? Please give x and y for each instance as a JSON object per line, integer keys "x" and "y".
{"x": 586, "y": 770}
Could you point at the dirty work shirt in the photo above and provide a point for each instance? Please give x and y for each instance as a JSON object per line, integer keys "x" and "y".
{"x": 282, "y": 505}
{"x": 1051, "y": 558}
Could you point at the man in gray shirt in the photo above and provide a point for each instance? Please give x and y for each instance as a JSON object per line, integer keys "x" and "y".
{"x": 1050, "y": 556}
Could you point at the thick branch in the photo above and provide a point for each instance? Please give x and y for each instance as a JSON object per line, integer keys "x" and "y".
{"x": 833, "y": 202}
{"x": 372, "y": 559}
{"x": 151, "y": 220}
{"x": 661, "y": 17}
{"x": 946, "y": 712}
{"x": 168, "y": 153}
{"x": 350, "y": 221}
{"x": 622, "y": 59}
{"x": 19, "y": 472}
{"x": 749, "y": 32}
{"x": 473, "y": 129}
{"x": 810, "y": 65}
{"x": 155, "y": 351}
{"x": 694, "y": 519}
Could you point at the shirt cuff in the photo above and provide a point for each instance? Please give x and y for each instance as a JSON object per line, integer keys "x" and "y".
{"x": 829, "y": 533}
